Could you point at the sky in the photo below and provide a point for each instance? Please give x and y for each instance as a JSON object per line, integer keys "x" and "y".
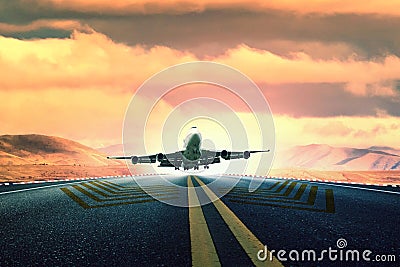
{"x": 329, "y": 69}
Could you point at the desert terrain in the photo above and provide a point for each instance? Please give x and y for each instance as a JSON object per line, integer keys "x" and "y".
{"x": 39, "y": 157}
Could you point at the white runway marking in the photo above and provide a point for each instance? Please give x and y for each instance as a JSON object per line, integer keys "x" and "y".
{"x": 327, "y": 182}
{"x": 361, "y": 188}
{"x": 215, "y": 176}
{"x": 39, "y": 187}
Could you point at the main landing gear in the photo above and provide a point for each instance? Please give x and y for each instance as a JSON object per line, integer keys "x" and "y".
{"x": 187, "y": 168}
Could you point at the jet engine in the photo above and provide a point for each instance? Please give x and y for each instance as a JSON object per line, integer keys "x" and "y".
{"x": 224, "y": 154}
{"x": 246, "y": 154}
{"x": 160, "y": 157}
{"x": 134, "y": 159}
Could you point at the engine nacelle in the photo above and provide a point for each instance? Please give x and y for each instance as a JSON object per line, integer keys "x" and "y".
{"x": 246, "y": 154}
{"x": 134, "y": 159}
{"x": 224, "y": 154}
{"x": 160, "y": 157}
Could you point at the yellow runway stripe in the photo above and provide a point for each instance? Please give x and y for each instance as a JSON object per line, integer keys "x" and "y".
{"x": 244, "y": 236}
{"x": 203, "y": 249}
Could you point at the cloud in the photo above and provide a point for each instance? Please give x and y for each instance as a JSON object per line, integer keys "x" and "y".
{"x": 85, "y": 60}
{"x": 214, "y": 31}
{"x": 179, "y": 6}
{"x": 213, "y": 28}
{"x": 360, "y": 132}
{"x": 327, "y": 100}
{"x": 92, "y": 59}
{"x": 45, "y": 23}
{"x": 327, "y": 88}
{"x": 330, "y": 128}
{"x": 265, "y": 66}
{"x": 383, "y": 88}
{"x": 95, "y": 117}
{"x": 311, "y": 59}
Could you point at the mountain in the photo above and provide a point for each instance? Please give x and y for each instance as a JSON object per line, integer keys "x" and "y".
{"x": 41, "y": 149}
{"x": 386, "y": 149}
{"x": 325, "y": 157}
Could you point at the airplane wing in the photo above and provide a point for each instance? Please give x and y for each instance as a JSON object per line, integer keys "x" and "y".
{"x": 136, "y": 159}
{"x": 175, "y": 159}
{"x": 228, "y": 155}
{"x": 165, "y": 160}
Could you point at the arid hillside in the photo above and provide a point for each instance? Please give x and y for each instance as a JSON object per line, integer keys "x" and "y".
{"x": 39, "y": 157}
{"x": 41, "y": 150}
{"x": 325, "y": 157}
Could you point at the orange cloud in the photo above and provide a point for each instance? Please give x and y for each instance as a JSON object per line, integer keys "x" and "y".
{"x": 179, "y": 6}
{"x": 94, "y": 60}
{"x": 79, "y": 88}
{"x": 95, "y": 118}
{"x": 300, "y": 68}
{"x": 361, "y": 132}
{"x": 84, "y": 60}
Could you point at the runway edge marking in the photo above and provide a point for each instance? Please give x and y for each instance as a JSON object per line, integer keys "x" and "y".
{"x": 36, "y": 188}
{"x": 244, "y": 236}
{"x": 202, "y": 245}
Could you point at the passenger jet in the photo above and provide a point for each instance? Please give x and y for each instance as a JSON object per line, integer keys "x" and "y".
{"x": 192, "y": 157}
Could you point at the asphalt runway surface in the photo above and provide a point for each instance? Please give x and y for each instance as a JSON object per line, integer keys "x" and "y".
{"x": 113, "y": 222}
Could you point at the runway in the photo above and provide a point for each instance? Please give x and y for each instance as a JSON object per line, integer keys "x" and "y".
{"x": 113, "y": 222}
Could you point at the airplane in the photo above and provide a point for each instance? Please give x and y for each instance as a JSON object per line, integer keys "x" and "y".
{"x": 192, "y": 157}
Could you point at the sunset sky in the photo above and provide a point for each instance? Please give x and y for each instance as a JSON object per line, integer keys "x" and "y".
{"x": 329, "y": 69}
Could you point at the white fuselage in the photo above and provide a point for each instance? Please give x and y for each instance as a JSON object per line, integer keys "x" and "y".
{"x": 192, "y": 146}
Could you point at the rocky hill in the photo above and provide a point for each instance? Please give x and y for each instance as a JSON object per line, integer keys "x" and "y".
{"x": 325, "y": 157}
{"x": 50, "y": 150}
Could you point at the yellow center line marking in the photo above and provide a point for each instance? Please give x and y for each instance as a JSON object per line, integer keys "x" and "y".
{"x": 244, "y": 236}
{"x": 203, "y": 249}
